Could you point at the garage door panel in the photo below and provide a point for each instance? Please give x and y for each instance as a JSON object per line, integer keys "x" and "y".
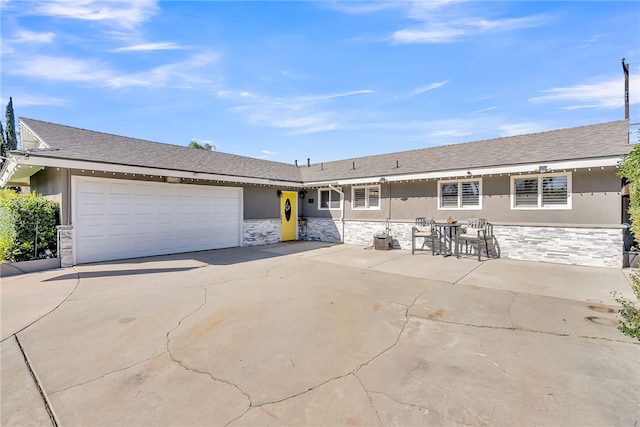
{"x": 115, "y": 219}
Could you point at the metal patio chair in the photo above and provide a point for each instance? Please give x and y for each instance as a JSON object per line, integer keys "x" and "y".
{"x": 476, "y": 232}
{"x": 423, "y": 228}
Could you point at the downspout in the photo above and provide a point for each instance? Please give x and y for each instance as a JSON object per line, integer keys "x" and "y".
{"x": 331, "y": 187}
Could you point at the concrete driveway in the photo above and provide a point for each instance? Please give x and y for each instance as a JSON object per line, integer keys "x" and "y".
{"x": 315, "y": 334}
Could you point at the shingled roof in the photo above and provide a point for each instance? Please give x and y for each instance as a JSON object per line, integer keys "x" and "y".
{"x": 604, "y": 140}
{"x": 67, "y": 142}
{"x": 580, "y": 143}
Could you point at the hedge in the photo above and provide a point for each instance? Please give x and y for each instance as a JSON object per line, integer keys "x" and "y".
{"x": 21, "y": 217}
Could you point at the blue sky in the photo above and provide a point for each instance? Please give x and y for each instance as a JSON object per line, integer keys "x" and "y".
{"x": 323, "y": 80}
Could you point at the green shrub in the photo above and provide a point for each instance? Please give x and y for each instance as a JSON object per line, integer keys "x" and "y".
{"x": 22, "y": 218}
{"x": 630, "y": 312}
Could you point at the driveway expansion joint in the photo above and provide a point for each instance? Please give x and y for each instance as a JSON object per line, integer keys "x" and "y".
{"x": 43, "y": 395}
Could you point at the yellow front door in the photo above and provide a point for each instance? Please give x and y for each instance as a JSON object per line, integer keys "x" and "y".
{"x": 289, "y": 215}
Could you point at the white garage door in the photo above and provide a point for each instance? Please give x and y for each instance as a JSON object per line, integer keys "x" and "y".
{"x": 116, "y": 219}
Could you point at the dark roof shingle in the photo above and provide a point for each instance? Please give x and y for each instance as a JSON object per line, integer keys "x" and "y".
{"x": 81, "y": 144}
{"x": 585, "y": 142}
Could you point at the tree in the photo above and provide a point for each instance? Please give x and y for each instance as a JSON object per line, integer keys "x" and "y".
{"x": 630, "y": 312}
{"x": 3, "y": 146}
{"x": 11, "y": 138}
{"x": 196, "y": 144}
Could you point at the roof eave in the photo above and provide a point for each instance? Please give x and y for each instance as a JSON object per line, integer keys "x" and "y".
{"x": 36, "y": 159}
{"x": 564, "y": 165}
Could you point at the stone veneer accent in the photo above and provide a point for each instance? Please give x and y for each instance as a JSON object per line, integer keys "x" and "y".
{"x": 596, "y": 247}
{"x": 261, "y": 231}
{"x": 65, "y": 245}
{"x": 324, "y": 230}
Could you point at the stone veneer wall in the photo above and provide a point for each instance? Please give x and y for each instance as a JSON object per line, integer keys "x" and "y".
{"x": 324, "y": 230}
{"x": 596, "y": 247}
{"x": 261, "y": 231}
{"x": 65, "y": 245}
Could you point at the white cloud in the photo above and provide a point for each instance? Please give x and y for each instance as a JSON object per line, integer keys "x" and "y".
{"x": 606, "y": 94}
{"x": 442, "y": 21}
{"x": 427, "y": 88}
{"x": 59, "y": 69}
{"x": 484, "y": 110}
{"x": 22, "y": 100}
{"x": 119, "y": 13}
{"x": 432, "y": 35}
{"x": 149, "y": 47}
{"x": 26, "y": 36}
{"x": 330, "y": 96}
{"x": 357, "y": 7}
{"x": 187, "y": 72}
{"x": 299, "y": 114}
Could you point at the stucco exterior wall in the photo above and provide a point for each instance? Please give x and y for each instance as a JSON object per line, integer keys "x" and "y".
{"x": 261, "y": 202}
{"x": 52, "y": 183}
{"x": 595, "y": 200}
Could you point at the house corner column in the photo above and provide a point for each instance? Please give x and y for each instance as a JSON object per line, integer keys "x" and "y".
{"x": 65, "y": 245}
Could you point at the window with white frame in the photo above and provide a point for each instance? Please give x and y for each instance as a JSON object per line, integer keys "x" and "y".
{"x": 543, "y": 191}
{"x": 365, "y": 197}
{"x": 329, "y": 199}
{"x": 460, "y": 194}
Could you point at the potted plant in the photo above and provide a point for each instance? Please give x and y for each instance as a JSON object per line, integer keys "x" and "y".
{"x": 302, "y": 221}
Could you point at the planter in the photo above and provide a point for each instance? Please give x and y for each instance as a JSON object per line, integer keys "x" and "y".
{"x": 24, "y": 267}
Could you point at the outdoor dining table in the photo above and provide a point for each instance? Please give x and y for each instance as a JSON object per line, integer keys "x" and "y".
{"x": 448, "y": 234}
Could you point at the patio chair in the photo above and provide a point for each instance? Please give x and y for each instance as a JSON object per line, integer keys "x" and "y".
{"x": 476, "y": 232}
{"x": 424, "y": 229}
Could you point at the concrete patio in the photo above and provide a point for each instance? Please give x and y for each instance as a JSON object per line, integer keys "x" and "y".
{"x": 316, "y": 334}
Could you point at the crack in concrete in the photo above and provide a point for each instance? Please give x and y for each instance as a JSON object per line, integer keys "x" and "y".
{"x": 353, "y": 372}
{"x": 521, "y": 329}
{"x": 52, "y": 310}
{"x": 190, "y": 369}
{"x": 515, "y": 295}
{"x": 107, "y": 374}
{"x": 380, "y": 423}
{"x": 413, "y": 405}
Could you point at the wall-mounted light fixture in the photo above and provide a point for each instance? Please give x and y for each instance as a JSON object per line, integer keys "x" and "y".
{"x": 279, "y": 193}
{"x": 301, "y": 193}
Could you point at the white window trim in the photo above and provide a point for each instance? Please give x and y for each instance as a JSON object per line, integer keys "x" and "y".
{"x": 366, "y": 208}
{"x": 540, "y": 207}
{"x": 459, "y": 207}
{"x": 320, "y": 208}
